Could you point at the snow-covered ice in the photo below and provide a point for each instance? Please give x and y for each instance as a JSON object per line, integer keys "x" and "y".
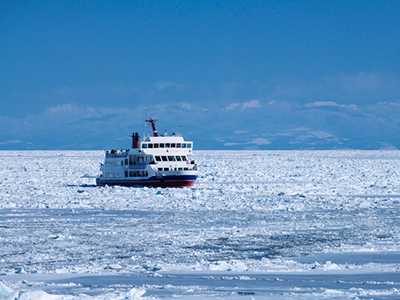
{"x": 256, "y": 225}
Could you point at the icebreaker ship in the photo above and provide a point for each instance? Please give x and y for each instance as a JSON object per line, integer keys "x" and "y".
{"x": 158, "y": 161}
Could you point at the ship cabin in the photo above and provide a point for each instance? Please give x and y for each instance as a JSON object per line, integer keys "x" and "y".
{"x": 169, "y": 153}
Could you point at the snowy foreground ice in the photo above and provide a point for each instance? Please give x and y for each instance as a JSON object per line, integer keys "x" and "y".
{"x": 256, "y": 225}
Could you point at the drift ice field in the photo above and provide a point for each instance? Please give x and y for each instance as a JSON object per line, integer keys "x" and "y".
{"x": 256, "y": 225}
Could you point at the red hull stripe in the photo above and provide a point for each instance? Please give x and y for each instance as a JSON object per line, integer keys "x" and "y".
{"x": 175, "y": 183}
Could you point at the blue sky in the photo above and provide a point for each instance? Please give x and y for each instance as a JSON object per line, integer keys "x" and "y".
{"x": 128, "y": 57}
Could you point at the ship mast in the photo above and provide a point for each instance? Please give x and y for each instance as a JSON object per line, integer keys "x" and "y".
{"x": 153, "y": 125}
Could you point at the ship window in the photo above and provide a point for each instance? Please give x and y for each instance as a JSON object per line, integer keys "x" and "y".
{"x": 144, "y": 146}
{"x": 178, "y": 145}
{"x": 186, "y": 169}
{"x": 167, "y": 145}
{"x": 183, "y": 157}
{"x": 189, "y": 145}
{"x": 162, "y": 145}
{"x": 166, "y": 169}
{"x": 172, "y": 145}
{"x": 179, "y": 169}
{"x": 159, "y": 169}
{"x": 150, "y": 146}
{"x": 158, "y": 158}
{"x": 126, "y": 161}
{"x": 183, "y": 145}
{"x": 147, "y": 173}
{"x": 134, "y": 173}
{"x": 114, "y": 163}
{"x": 112, "y": 175}
{"x": 126, "y": 173}
{"x": 178, "y": 158}
{"x": 155, "y": 145}
{"x": 130, "y": 173}
{"x": 171, "y": 158}
{"x": 164, "y": 158}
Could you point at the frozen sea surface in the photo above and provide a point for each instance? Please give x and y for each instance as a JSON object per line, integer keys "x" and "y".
{"x": 256, "y": 225}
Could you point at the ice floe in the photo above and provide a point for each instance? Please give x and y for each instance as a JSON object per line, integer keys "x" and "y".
{"x": 256, "y": 224}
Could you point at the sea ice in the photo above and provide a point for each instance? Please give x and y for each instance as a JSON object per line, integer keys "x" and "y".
{"x": 325, "y": 223}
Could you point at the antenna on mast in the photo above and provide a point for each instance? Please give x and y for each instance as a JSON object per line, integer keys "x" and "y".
{"x": 153, "y": 125}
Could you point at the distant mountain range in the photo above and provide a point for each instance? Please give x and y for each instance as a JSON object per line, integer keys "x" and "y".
{"x": 250, "y": 125}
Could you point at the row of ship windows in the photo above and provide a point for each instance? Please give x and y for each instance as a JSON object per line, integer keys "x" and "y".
{"x": 136, "y": 173}
{"x": 143, "y": 173}
{"x": 171, "y": 158}
{"x": 172, "y": 169}
{"x": 166, "y": 145}
{"x": 111, "y": 175}
{"x": 113, "y": 163}
{"x": 133, "y": 159}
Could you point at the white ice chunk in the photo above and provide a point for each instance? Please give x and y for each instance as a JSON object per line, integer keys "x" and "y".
{"x": 38, "y": 295}
{"x": 135, "y": 293}
{"x": 115, "y": 267}
{"x": 4, "y": 290}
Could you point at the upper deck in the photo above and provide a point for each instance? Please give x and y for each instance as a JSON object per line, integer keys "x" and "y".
{"x": 165, "y": 144}
{"x": 154, "y": 145}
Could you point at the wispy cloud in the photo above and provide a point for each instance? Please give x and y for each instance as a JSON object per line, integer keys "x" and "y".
{"x": 321, "y": 134}
{"x": 251, "y": 104}
{"x": 84, "y": 111}
{"x": 232, "y": 144}
{"x": 232, "y": 106}
{"x": 330, "y": 103}
{"x": 186, "y": 106}
{"x": 260, "y": 141}
{"x": 12, "y": 142}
